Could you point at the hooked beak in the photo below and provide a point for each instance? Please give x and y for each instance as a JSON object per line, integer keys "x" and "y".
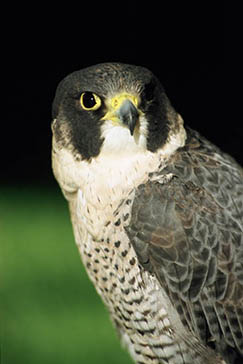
{"x": 128, "y": 114}
{"x": 122, "y": 109}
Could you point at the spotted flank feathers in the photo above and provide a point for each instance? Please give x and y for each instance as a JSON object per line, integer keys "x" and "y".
{"x": 157, "y": 214}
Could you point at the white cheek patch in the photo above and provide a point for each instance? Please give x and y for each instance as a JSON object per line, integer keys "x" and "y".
{"x": 123, "y": 163}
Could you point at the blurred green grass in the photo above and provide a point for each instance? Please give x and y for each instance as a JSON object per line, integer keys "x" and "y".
{"x": 50, "y": 312}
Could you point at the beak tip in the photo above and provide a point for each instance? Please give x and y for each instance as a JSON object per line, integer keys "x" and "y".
{"x": 132, "y": 128}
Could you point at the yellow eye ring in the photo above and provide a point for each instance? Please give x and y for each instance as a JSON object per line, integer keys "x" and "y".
{"x": 90, "y": 101}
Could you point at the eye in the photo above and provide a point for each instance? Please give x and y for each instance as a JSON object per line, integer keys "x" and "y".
{"x": 90, "y": 101}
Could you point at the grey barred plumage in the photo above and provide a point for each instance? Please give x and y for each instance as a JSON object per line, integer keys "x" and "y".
{"x": 157, "y": 217}
{"x": 192, "y": 239}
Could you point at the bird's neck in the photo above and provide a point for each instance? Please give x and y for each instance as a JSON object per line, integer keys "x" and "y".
{"x": 111, "y": 178}
{"x": 103, "y": 185}
{"x": 96, "y": 188}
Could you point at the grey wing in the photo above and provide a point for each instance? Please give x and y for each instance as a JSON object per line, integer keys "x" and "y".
{"x": 193, "y": 242}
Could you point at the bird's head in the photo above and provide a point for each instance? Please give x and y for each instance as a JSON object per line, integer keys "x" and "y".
{"x": 111, "y": 108}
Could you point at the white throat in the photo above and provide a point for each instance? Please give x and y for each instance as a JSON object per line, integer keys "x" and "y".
{"x": 118, "y": 139}
{"x": 98, "y": 186}
{"x": 123, "y": 163}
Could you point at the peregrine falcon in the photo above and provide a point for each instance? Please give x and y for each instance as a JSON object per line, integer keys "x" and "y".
{"x": 157, "y": 214}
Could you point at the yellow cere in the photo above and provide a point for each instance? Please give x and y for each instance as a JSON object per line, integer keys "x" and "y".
{"x": 117, "y": 100}
{"x": 114, "y": 103}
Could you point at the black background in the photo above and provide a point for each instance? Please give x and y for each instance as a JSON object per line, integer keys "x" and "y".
{"x": 183, "y": 45}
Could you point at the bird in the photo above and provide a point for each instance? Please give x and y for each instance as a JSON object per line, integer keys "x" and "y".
{"x": 157, "y": 215}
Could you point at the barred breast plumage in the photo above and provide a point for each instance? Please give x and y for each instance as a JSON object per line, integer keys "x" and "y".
{"x": 157, "y": 213}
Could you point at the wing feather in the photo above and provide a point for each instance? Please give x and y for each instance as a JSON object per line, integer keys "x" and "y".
{"x": 189, "y": 233}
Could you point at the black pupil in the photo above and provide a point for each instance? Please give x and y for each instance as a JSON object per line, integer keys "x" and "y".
{"x": 89, "y": 100}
